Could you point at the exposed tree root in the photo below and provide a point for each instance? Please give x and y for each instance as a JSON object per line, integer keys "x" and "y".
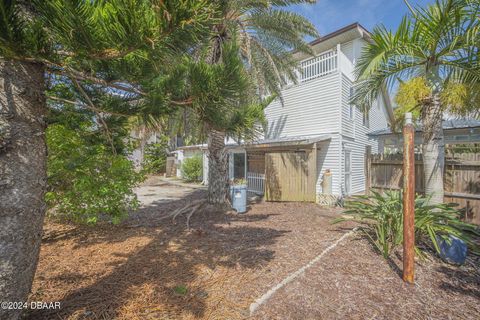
{"x": 194, "y": 207}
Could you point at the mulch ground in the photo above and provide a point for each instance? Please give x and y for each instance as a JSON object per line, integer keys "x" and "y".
{"x": 354, "y": 282}
{"x": 139, "y": 269}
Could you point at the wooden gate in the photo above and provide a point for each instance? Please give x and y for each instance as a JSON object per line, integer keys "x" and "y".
{"x": 290, "y": 176}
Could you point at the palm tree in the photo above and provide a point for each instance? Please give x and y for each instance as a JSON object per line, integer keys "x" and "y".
{"x": 438, "y": 44}
{"x": 266, "y": 36}
{"x": 85, "y": 43}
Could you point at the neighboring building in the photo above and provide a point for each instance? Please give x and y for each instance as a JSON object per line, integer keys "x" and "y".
{"x": 315, "y": 130}
{"x": 456, "y": 131}
{"x": 191, "y": 151}
{"x": 143, "y": 140}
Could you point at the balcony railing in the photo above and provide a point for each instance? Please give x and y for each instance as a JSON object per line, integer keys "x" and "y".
{"x": 317, "y": 67}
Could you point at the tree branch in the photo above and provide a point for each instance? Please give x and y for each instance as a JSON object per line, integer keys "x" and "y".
{"x": 97, "y": 112}
{"x": 83, "y": 104}
{"x": 189, "y": 101}
{"x": 86, "y": 77}
{"x": 56, "y": 68}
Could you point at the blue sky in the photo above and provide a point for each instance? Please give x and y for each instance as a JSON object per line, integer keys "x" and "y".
{"x": 330, "y": 15}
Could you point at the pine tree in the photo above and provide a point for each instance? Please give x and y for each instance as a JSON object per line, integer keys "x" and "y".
{"x": 90, "y": 45}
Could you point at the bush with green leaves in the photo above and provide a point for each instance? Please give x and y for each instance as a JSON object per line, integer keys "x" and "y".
{"x": 381, "y": 220}
{"x": 87, "y": 181}
{"x": 192, "y": 169}
{"x": 155, "y": 156}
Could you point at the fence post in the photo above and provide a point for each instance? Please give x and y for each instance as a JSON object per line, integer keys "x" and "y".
{"x": 408, "y": 199}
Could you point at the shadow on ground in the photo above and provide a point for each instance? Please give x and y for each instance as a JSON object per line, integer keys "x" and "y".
{"x": 169, "y": 259}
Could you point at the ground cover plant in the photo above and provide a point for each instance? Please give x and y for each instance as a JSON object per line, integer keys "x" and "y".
{"x": 381, "y": 220}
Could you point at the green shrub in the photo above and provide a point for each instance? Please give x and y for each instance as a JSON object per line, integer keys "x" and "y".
{"x": 381, "y": 220}
{"x": 86, "y": 180}
{"x": 155, "y": 156}
{"x": 192, "y": 169}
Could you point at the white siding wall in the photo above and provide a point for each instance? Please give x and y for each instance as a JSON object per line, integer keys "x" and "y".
{"x": 347, "y": 49}
{"x": 310, "y": 108}
{"x": 348, "y": 123}
{"x": 321, "y": 106}
{"x": 179, "y": 161}
{"x": 328, "y": 156}
{"x": 357, "y": 144}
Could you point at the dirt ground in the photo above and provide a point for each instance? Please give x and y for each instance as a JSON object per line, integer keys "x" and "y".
{"x": 152, "y": 268}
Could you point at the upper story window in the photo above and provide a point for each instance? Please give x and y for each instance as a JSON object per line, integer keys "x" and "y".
{"x": 366, "y": 118}
{"x": 351, "y": 111}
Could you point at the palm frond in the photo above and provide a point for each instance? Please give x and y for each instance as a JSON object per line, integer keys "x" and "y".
{"x": 436, "y": 42}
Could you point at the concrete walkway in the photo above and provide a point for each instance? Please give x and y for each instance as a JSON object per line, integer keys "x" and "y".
{"x": 158, "y": 189}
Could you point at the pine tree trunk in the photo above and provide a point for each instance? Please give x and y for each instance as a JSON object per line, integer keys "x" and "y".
{"x": 217, "y": 167}
{"x": 23, "y": 178}
{"x": 433, "y": 150}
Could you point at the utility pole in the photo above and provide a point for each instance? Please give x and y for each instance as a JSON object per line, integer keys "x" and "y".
{"x": 408, "y": 199}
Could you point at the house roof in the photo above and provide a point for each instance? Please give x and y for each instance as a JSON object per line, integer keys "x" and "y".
{"x": 447, "y": 125}
{"x": 286, "y": 141}
{"x": 330, "y": 40}
{"x": 354, "y": 26}
{"x": 265, "y": 143}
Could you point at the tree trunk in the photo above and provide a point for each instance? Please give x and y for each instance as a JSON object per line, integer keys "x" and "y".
{"x": 217, "y": 167}
{"x": 23, "y": 178}
{"x": 433, "y": 150}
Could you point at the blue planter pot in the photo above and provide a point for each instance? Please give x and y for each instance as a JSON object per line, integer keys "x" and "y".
{"x": 238, "y": 195}
{"x": 454, "y": 252}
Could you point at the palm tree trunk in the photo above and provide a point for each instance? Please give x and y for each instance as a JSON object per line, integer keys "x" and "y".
{"x": 433, "y": 150}
{"x": 217, "y": 156}
{"x": 217, "y": 167}
{"x": 23, "y": 176}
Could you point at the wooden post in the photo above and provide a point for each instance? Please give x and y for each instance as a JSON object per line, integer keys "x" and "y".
{"x": 408, "y": 199}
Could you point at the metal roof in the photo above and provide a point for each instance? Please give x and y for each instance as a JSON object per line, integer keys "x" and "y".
{"x": 352, "y": 26}
{"x": 447, "y": 125}
{"x": 265, "y": 143}
{"x": 286, "y": 141}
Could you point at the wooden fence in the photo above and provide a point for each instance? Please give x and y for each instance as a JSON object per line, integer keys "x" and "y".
{"x": 461, "y": 178}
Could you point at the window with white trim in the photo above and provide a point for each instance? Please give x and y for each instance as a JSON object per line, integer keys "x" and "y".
{"x": 366, "y": 118}
{"x": 351, "y": 113}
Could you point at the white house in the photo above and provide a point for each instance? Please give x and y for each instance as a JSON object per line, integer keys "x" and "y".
{"x": 315, "y": 130}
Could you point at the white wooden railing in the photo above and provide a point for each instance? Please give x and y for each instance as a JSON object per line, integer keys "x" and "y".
{"x": 256, "y": 182}
{"x": 317, "y": 67}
